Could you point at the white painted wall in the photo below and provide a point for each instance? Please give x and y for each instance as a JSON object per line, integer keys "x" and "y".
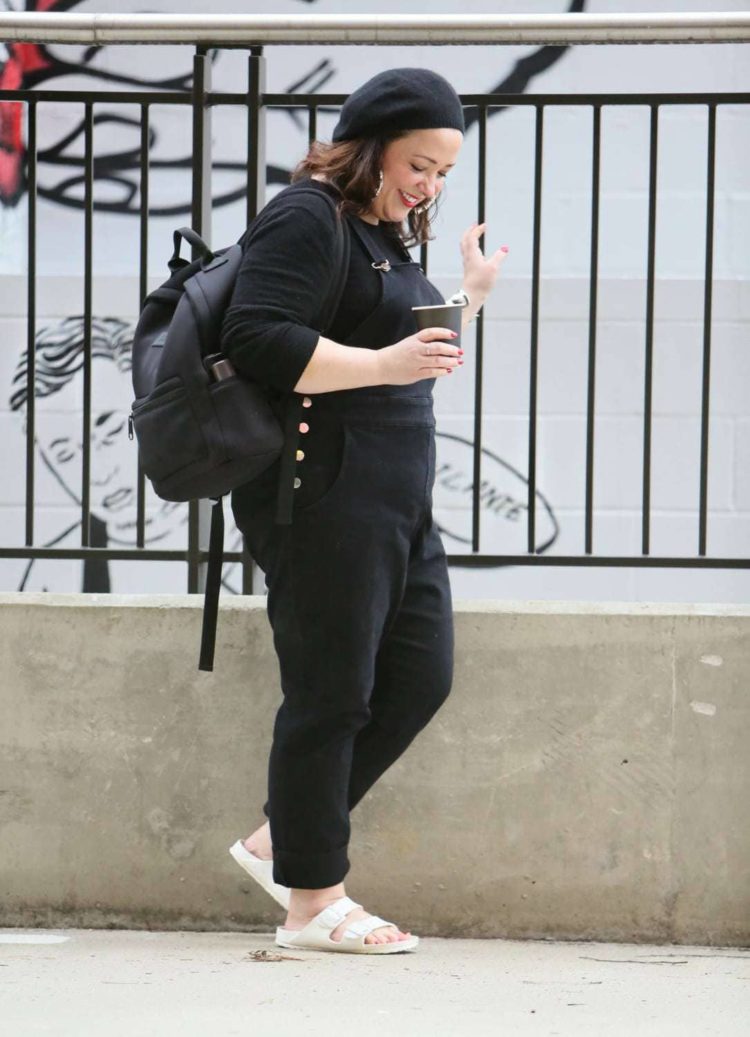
{"x": 564, "y": 307}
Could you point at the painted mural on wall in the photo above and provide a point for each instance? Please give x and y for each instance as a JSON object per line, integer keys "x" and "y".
{"x": 59, "y": 447}
{"x": 25, "y": 66}
{"x": 59, "y": 345}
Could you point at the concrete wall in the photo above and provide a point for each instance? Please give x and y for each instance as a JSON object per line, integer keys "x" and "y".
{"x": 587, "y": 778}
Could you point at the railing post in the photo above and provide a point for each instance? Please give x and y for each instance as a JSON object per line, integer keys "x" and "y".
{"x": 199, "y": 517}
{"x": 256, "y": 133}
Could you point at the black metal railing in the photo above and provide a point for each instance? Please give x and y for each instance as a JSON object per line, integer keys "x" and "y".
{"x": 201, "y": 100}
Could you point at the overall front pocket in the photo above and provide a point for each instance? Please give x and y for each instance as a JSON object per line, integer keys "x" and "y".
{"x": 321, "y": 470}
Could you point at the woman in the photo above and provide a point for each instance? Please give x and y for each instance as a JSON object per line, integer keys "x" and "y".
{"x": 358, "y": 593}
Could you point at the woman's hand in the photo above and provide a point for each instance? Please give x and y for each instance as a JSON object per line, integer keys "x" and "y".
{"x": 479, "y": 271}
{"x": 428, "y": 354}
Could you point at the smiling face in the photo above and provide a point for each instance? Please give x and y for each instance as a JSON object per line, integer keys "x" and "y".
{"x": 414, "y": 171}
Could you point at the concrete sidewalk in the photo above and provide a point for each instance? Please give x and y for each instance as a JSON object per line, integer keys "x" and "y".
{"x": 81, "y": 982}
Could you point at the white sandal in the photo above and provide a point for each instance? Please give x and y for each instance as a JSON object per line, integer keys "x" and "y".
{"x": 261, "y": 871}
{"x": 316, "y": 935}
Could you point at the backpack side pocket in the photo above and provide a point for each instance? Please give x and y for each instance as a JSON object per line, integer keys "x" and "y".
{"x": 168, "y": 431}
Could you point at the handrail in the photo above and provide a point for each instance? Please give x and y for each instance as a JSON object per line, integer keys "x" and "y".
{"x": 230, "y": 30}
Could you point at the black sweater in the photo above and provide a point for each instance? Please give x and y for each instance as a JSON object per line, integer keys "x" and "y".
{"x": 287, "y": 270}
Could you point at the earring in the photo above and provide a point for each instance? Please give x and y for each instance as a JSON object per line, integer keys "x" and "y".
{"x": 380, "y": 185}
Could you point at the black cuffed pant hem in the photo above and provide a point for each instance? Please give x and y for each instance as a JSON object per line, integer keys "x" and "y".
{"x": 306, "y": 870}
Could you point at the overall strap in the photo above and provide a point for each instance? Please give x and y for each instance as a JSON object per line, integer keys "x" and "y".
{"x": 377, "y": 258}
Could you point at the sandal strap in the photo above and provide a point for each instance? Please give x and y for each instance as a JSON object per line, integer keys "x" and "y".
{"x": 334, "y": 914}
{"x": 364, "y": 926}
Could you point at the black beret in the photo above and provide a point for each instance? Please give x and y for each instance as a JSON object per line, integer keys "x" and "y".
{"x": 400, "y": 99}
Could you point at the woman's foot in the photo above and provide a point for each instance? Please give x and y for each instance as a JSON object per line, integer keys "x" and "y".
{"x": 259, "y": 843}
{"x": 305, "y": 904}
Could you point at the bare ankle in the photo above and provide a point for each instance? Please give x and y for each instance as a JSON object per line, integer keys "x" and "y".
{"x": 304, "y": 901}
{"x": 259, "y": 842}
{"x": 322, "y": 893}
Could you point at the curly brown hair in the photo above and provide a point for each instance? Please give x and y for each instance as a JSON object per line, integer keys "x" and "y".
{"x": 353, "y": 167}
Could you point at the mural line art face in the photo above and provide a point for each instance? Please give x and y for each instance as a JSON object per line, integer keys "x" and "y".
{"x": 58, "y": 433}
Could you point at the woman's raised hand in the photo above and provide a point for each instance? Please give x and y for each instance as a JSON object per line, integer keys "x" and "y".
{"x": 480, "y": 271}
{"x": 430, "y": 353}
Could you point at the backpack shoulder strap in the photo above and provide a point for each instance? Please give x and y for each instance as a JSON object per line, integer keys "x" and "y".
{"x": 327, "y": 313}
{"x": 293, "y": 412}
{"x": 343, "y": 251}
{"x": 288, "y": 457}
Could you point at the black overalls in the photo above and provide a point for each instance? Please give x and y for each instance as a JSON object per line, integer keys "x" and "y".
{"x": 358, "y": 595}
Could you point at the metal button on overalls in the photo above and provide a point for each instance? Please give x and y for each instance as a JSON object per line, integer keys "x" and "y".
{"x": 359, "y": 598}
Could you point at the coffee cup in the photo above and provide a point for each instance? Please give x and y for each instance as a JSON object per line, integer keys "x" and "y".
{"x": 446, "y": 315}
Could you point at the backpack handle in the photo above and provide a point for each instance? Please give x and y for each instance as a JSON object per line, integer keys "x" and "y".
{"x": 195, "y": 240}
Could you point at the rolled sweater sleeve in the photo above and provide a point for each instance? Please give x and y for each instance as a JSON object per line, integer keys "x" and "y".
{"x": 287, "y": 270}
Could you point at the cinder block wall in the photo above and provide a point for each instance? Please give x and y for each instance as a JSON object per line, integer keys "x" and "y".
{"x": 588, "y": 777}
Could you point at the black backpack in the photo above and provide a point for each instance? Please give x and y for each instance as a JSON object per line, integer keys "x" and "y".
{"x": 202, "y": 428}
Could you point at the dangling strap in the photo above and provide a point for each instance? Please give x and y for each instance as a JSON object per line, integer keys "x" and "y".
{"x": 213, "y": 585}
